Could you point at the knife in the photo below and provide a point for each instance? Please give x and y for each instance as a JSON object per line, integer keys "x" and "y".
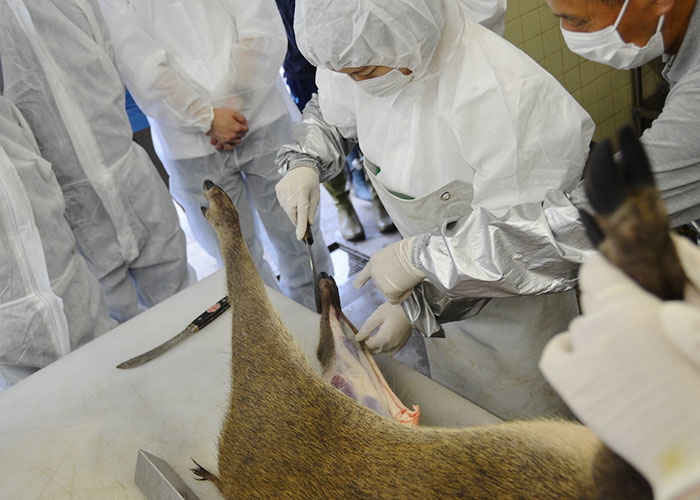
{"x": 199, "y": 322}
{"x": 309, "y": 240}
{"x": 158, "y": 481}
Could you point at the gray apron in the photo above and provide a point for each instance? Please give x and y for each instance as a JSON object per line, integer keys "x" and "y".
{"x": 490, "y": 358}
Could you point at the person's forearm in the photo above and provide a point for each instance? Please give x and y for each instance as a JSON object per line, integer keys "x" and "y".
{"x": 143, "y": 65}
{"x": 533, "y": 248}
{"x": 172, "y": 102}
{"x": 316, "y": 143}
{"x": 674, "y": 152}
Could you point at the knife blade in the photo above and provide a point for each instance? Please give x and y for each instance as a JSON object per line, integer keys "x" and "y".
{"x": 158, "y": 481}
{"x": 309, "y": 240}
{"x": 196, "y": 325}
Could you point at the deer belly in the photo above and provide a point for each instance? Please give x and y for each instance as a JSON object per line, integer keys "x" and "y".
{"x": 357, "y": 376}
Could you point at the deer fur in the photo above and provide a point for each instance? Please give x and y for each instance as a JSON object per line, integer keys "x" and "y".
{"x": 289, "y": 435}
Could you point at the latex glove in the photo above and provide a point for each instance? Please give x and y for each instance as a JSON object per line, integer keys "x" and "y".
{"x": 299, "y": 193}
{"x": 392, "y": 271}
{"x": 394, "y": 330}
{"x": 620, "y": 370}
{"x": 681, "y": 323}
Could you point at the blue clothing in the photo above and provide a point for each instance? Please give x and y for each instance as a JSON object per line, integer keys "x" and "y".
{"x": 136, "y": 117}
{"x": 296, "y": 67}
{"x": 302, "y": 90}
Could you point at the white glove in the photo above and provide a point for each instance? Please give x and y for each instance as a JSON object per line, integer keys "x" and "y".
{"x": 392, "y": 271}
{"x": 299, "y": 193}
{"x": 394, "y": 330}
{"x": 630, "y": 369}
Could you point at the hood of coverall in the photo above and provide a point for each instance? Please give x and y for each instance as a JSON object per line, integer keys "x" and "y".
{"x": 337, "y": 34}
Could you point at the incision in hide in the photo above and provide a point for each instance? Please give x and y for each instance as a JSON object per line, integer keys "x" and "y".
{"x": 348, "y": 365}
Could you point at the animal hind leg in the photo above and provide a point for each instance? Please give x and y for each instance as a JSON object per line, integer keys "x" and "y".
{"x": 240, "y": 269}
{"x": 250, "y": 307}
{"x": 204, "y": 475}
{"x": 630, "y": 223}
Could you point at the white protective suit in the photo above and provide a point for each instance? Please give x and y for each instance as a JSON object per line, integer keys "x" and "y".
{"x": 481, "y": 140}
{"x": 182, "y": 59}
{"x": 58, "y": 70}
{"x": 488, "y": 13}
{"x": 50, "y": 303}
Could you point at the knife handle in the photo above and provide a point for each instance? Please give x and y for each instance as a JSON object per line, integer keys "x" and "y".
{"x": 308, "y": 236}
{"x": 210, "y": 314}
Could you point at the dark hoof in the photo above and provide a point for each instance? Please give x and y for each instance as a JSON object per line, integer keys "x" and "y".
{"x": 629, "y": 224}
{"x": 636, "y": 168}
{"x": 201, "y": 473}
{"x": 204, "y": 211}
{"x": 605, "y": 186}
{"x": 208, "y": 185}
{"x": 593, "y": 230}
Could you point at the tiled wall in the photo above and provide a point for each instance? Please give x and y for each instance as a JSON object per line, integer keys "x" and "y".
{"x": 606, "y": 93}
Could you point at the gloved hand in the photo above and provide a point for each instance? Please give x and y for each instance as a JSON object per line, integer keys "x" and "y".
{"x": 629, "y": 368}
{"x": 394, "y": 330}
{"x": 392, "y": 271}
{"x": 299, "y": 193}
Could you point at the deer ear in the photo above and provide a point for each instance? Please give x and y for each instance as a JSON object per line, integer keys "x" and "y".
{"x": 605, "y": 186}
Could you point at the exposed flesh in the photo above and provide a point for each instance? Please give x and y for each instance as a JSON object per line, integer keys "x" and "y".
{"x": 356, "y": 375}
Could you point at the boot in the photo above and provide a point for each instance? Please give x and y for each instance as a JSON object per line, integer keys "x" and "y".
{"x": 381, "y": 218}
{"x": 350, "y": 227}
{"x": 359, "y": 182}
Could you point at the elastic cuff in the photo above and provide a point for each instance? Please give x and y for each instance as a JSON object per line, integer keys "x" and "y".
{"x": 418, "y": 246}
{"x": 205, "y": 123}
{"x": 296, "y": 160}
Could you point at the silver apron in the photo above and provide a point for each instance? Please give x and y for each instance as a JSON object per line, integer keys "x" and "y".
{"x": 491, "y": 357}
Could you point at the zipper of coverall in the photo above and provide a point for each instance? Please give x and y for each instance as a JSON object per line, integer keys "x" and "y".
{"x": 35, "y": 288}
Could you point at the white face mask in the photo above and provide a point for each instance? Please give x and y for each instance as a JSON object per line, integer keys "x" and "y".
{"x": 386, "y": 85}
{"x": 607, "y": 47}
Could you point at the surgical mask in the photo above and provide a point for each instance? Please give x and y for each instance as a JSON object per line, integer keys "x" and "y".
{"x": 385, "y": 85}
{"x": 606, "y": 46}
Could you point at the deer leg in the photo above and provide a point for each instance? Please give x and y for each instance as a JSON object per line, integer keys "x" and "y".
{"x": 630, "y": 226}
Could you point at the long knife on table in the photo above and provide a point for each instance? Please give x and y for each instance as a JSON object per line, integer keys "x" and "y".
{"x": 200, "y": 322}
